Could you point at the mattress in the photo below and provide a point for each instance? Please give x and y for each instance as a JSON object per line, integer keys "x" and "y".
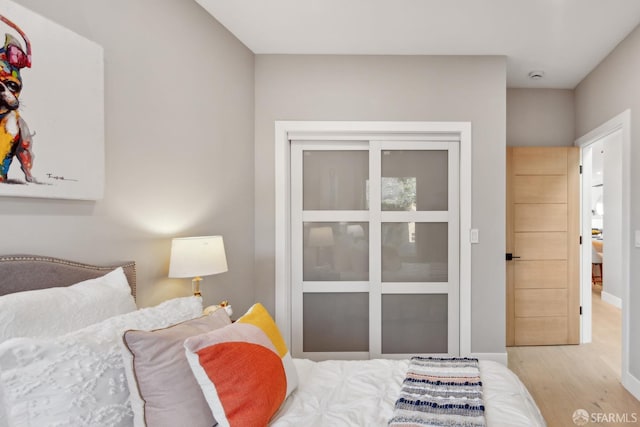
{"x": 363, "y": 393}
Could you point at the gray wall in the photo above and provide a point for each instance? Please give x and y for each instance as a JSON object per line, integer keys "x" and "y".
{"x": 607, "y": 91}
{"x": 542, "y": 117}
{"x": 299, "y": 87}
{"x": 179, "y": 148}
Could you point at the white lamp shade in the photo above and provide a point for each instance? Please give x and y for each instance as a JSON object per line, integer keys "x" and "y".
{"x": 321, "y": 237}
{"x": 197, "y": 256}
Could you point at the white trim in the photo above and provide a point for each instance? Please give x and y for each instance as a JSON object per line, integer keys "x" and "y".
{"x": 335, "y": 216}
{"x": 586, "y": 156}
{"x": 335, "y": 287}
{"x": 324, "y": 144}
{"x": 611, "y": 299}
{"x": 632, "y": 384}
{"x": 300, "y": 129}
{"x": 415, "y": 216}
{"x": 282, "y": 231}
{"x": 395, "y": 288}
{"x": 465, "y": 243}
{"x": 620, "y": 122}
{"x": 370, "y": 136}
{"x": 502, "y": 358}
{"x": 296, "y": 202}
{"x": 375, "y": 253}
{"x": 413, "y": 288}
{"x": 434, "y": 145}
{"x": 334, "y": 355}
{"x": 454, "y": 235}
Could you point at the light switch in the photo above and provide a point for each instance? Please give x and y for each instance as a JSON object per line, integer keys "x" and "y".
{"x": 637, "y": 239}
{"x": 475, "y": 237}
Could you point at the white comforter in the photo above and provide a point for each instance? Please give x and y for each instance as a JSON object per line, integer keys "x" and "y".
{"x": 363, "y": 393}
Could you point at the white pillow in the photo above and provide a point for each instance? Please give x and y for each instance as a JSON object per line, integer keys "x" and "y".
{"x": 78, "y": 379}
{"x": 57, "y": 311}
{"x": 3, "y": 417}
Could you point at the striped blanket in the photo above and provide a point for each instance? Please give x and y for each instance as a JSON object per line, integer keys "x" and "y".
{"x": 440, "y": 392}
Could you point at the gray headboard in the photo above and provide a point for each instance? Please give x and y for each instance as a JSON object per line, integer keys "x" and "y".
{"x": 31, "y": 272}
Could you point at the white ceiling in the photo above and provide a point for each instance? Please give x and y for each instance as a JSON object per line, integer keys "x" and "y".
{"x": 564, "y": 38}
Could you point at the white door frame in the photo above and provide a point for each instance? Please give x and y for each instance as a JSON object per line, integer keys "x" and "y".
{"x": 621, "y": 122}
{"x": 287, "y": 130}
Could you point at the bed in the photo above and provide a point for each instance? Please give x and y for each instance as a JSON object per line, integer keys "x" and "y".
{"x": 329, "y": 393}
{"x": 31, "y": 272}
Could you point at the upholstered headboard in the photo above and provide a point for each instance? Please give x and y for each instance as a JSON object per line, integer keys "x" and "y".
{"x": 31, "y": 272}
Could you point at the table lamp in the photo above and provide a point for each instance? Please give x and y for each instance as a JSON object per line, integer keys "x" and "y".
{"x": 196, "y": 257}
{"x": 320, "y": 238}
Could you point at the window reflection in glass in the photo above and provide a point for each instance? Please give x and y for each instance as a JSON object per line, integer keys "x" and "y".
{"x": 398, "y": 194}
{"x": 415, "y": 180}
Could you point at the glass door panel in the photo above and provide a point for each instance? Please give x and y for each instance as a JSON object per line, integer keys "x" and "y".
{"x": 335, "y": 251}
{"x": 336, "y": 322}
{"x": 414, "y": 324}
{"x": 415, "y": 251}
{"x": 414, "y": 180}
{"x": 335, "y": 180}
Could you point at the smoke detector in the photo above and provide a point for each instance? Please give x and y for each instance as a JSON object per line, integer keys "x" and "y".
{"x": 536, "y": 75}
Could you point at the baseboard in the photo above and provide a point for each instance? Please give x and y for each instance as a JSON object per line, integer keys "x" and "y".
{"x": 496, "y": 357}
{"x": 611, "y": 299}
{"x": 632, "y": 384}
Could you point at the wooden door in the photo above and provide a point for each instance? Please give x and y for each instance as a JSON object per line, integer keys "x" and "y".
{"x": 543, "y": 235}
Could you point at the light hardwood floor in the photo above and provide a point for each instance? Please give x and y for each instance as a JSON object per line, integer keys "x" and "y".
{"x": 563, "y": 379}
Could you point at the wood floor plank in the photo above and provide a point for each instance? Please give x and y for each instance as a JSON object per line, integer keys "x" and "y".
{"x": 563, "y": 379}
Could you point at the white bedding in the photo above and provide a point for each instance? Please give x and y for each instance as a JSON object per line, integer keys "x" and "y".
{"x": 363, "y": 393}
{"x": 78, "y": 379}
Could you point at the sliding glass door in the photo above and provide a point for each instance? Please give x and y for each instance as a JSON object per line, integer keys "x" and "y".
{"x": 374, "y": 248}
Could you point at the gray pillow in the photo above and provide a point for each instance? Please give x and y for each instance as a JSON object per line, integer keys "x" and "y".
{"x": 163, "y": 390}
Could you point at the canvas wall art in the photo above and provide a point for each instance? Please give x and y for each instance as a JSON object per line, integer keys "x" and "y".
{"x": 51, "y": 109}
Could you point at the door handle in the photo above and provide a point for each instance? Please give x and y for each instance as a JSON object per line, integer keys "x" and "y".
{"x": 510, "y": 257}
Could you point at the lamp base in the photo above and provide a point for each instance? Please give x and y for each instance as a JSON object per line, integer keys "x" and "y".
{"x": 213, "y": 308}
{"x": 195, "y": 286}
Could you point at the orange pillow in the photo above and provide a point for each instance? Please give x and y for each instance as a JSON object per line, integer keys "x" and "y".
{"x": 245, "y": 370}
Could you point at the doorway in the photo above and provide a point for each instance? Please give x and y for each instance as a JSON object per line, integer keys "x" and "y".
{"x": 381, "y": 132}
{"x": 602, "y": 191}
{"x": 616, "y": 135}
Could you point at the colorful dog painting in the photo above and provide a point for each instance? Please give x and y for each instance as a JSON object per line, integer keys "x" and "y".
{"x": 15, "y": 137}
